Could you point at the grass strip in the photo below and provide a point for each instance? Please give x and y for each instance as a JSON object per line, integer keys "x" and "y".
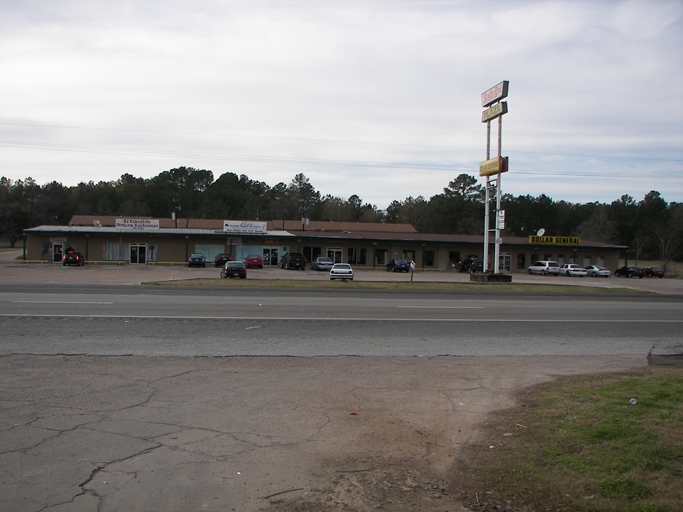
{"x": 406, "y": 286}
{"x": 598, "y": 443}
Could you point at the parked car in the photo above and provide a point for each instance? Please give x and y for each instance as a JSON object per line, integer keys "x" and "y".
{"x": 398, "y": 266}
{"x": 629, "y": 271}
{"x": 234, "y": 269}
{"x": 196, "y": 260}
{"x": 598, "y": 271}
{"x": 221, "y": 260}
{"x": 341, "y": 271}
{"x": 653, "y": 272}
{"x": 322, "y": 263}
{"x": 472, "y": 265}
{"x": 544, "y": 267}
{"x": 72, "y": 257}
{"x": 254, "y": 261}
{"x": 573, "y": 270}
{"x": 293, "y": 260}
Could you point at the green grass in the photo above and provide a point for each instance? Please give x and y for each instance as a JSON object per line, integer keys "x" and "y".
{"x": 580, "y": 445}
{"x": 403, "y": 286}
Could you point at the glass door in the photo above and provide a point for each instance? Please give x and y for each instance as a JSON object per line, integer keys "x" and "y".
{"x": 270, "y": 256}
{"x": 335, "y": 254}
{"x": 57, "y": 252}
{"x": 138, "y": 253}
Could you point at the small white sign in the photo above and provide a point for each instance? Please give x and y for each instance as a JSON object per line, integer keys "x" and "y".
{"x": 246, "y": 226}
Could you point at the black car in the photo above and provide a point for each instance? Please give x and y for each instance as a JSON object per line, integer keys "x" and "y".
{"x": 221, "y": 260}
{"x": 398, "y": 266}
{"x": 196, "y": 260}
{"x": 72, "y": 257}
{"x": 629, "y": 271}
{"x": 234, "y": 269}
{"x": 472, "y": 265}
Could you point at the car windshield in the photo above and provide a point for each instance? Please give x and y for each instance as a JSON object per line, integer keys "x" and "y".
{"x": 552, "y": 264}
{"x": 325, "y": 260}
{"x": 197, "y": 256}
{"x": 342, "y": 266}
{"x": 235, "y": 264}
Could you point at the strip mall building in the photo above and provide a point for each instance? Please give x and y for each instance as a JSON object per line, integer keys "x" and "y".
{"x": 142, "y": 241}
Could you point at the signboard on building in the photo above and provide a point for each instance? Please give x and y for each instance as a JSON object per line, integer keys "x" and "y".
{"x": 137, "y": 224}
{"x": 555, "y": 240}
{"x": 244, "y": 226}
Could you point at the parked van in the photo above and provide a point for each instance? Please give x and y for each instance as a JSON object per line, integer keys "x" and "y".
{"x": 544, "y": 267}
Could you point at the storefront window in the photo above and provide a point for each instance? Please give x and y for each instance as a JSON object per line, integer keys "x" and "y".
{"x": 357, "y": 255}
{"x": 428, "y": 258}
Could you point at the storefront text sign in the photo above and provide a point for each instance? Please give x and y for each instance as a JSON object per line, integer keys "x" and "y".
{"x": 138, "y": 224}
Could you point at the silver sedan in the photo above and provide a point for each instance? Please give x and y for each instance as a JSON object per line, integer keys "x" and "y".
{"x": 598, "y": 271}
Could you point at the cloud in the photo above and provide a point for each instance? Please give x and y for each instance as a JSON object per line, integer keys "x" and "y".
{"x": 379, "y": 99}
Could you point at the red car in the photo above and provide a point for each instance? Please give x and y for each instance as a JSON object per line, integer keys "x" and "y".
{"x": 653, "y": 272}
{"x": 254, "y": 260}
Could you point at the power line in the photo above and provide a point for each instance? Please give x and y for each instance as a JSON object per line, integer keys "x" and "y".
{"x": 336, "y": 141}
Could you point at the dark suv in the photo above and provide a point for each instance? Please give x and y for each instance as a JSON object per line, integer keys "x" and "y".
{"x": 294, "y": 260}
{"x": 72, "y": 257}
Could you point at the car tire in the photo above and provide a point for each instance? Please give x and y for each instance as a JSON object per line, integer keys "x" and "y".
{"x": 542, "y": 272}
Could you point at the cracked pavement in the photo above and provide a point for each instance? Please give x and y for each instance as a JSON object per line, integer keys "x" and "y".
{"x": 83, "y": 433}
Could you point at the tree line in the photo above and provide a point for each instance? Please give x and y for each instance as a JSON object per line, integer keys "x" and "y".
{"x": 651, "y": 227}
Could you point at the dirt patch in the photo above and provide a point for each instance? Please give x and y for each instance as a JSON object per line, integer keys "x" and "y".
{"x": 253, "y": 433}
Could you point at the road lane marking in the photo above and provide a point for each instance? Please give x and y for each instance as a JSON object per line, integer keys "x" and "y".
{"x": 58, "y": 302}
{"x": 349, "y": 319}
{"x": 441, "y": 307}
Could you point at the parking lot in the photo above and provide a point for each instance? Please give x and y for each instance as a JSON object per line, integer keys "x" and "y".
{"x": 14, "y": 271}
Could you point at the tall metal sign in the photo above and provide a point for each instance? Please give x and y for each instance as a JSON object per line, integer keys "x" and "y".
{"x": 492, "y": 168}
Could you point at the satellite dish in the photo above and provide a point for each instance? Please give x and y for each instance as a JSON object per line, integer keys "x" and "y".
{"x": 540, "y": 232}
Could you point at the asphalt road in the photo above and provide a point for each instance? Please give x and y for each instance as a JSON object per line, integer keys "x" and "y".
{"x": 179, "y": 321}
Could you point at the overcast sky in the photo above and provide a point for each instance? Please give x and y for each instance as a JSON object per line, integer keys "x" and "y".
{"x": 381, "y": 99}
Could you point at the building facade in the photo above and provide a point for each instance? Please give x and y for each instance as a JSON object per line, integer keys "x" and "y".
{"x": 143, "y": 241}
